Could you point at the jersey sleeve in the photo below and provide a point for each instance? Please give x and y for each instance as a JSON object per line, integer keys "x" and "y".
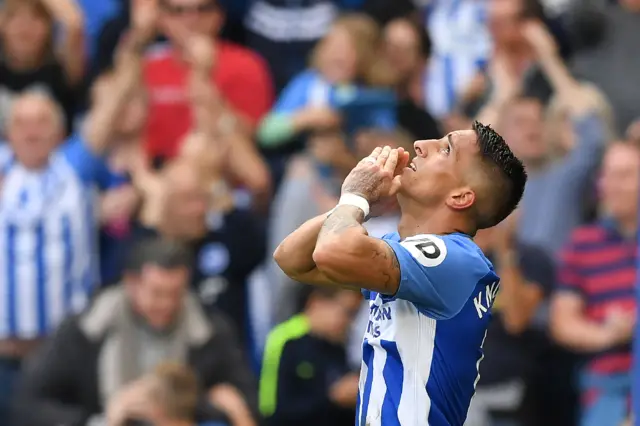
{"x": 438, "y": 273}
{"x": 295, "y": 95}
{"x": 86, "y": 164}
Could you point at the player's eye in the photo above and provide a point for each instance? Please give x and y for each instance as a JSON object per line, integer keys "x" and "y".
{"x": 446, "y": 150}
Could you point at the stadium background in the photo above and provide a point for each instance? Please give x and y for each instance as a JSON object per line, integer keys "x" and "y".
{"x": 269, "y": 103}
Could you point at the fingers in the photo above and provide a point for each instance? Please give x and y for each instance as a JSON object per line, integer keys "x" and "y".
{"x": 403, "y": 161}
{"x": 384, "y": 155}
{"x": 376, "y": 152}
{"x": 392, "y": 162}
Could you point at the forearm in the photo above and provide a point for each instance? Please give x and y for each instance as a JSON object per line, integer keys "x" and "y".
{"x": 570, "y": 91}
{"x": 69, "y": 15}
{"x": 294, "y": 255}
{"x": 521, "y": 298}
{"x": 276, "y": 130}
{"x": 102, "y": 117}
{"x": 579, "y": 334}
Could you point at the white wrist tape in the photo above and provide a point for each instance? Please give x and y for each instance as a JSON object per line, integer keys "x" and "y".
{"x": 356, "y": 201}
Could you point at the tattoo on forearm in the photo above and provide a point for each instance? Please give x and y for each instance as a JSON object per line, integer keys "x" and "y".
{"x": 340, "y": 220}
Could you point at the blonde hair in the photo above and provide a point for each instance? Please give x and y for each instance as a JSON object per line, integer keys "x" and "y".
{"x": 176, "y": 389}
{"x": 366, "y": 36}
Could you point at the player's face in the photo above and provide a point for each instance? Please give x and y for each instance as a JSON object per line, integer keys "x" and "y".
{"x": 437, "y": 173}
{"x": 619, "y": 181}
{"x": 158, "y": 294}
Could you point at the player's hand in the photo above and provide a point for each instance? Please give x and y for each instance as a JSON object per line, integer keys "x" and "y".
{"x": 620, "y": 326}
{"x": 377, "y": 175}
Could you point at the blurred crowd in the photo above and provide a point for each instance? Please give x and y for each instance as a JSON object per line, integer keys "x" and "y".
{"x": 155, "y": 152}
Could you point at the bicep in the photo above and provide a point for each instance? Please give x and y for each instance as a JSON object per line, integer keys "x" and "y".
{"x": 360, "y": 261}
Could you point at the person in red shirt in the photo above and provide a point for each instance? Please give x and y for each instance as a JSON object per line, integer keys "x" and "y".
{"x": 242, "y": 84}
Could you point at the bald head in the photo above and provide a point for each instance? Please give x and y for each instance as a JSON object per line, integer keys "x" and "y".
{"x": 35, "y": 127}
{"x": 40, "y": 105}
{"x": 187, "y": 200}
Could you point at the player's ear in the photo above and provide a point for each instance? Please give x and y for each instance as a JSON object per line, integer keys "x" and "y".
{"x": 461, "y": 198}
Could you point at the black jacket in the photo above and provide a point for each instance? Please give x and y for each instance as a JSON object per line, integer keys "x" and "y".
{"x": 59, "y": 384}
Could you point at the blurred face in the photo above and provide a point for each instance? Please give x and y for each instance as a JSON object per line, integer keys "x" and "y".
{"x": 34, "y": 130}
{"x": 157, "y": 294}
{"x": 523, "y": 129}
{"x": 633, "y": 5}
{"x": 619, "y": 182}
{"x": 402, "y": 47}
{"x": 182, "y": 18}
{"x": 338, "y": 314}
{"x": 504, "y": 22}
{"x": 25, "y": 35}
{"x": 187, "y": 203}
{"x": 338, "y": 58}
{"x": 437, "y": 173}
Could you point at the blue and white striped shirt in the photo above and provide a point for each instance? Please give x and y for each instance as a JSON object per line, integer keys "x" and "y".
{"x": 422, "y": 347}
{"x": 461, "y": 47}
{"x": 48, "y": 265}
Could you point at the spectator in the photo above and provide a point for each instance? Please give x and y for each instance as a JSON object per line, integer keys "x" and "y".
{"x": 593, "y": 311}
{"x": 407, "y": 49}
{"x": 615, "y": 53}
{"x": 512, "y": 347}
{"x": 285, "y": 33}
{"x": 167, "y": 396}
{"x": 305, "y": 374}
{"x": 340, "y": 92}
{"x": 30, "y": 58}
{"x": 461, "y": 48}
{"x": 554, "y": 200}
{"x": 127, "y": 332}
{"x": 243, "y": 90}
{"x": 47, "y": 199}
{"x": 228, "y": 243}
{"x": 512, "y": 53}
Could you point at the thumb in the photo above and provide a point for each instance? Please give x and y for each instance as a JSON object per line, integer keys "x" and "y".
{"x": 395, "y": 186}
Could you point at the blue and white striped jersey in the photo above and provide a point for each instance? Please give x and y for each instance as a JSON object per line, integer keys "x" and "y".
{"x": 423, "y": 346}
{"x": 47, "y": 239}
{"x": 461, "y": 48}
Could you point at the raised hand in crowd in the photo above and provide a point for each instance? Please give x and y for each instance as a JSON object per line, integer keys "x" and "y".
{"x": 69, "y": 15}
{"x": 573, "y": 96}
{"x": 100, "y": 126}
{"x": 507, "y": 85}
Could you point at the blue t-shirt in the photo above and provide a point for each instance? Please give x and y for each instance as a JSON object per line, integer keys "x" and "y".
{"x": 423, "y": 345}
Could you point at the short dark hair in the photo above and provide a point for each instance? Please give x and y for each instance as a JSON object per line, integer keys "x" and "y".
{"x": 158, "y": 251}
{"x": 505, "y": 175}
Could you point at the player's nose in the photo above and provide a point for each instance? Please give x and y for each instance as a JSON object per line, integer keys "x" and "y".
{"x": 422, "y": 147}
